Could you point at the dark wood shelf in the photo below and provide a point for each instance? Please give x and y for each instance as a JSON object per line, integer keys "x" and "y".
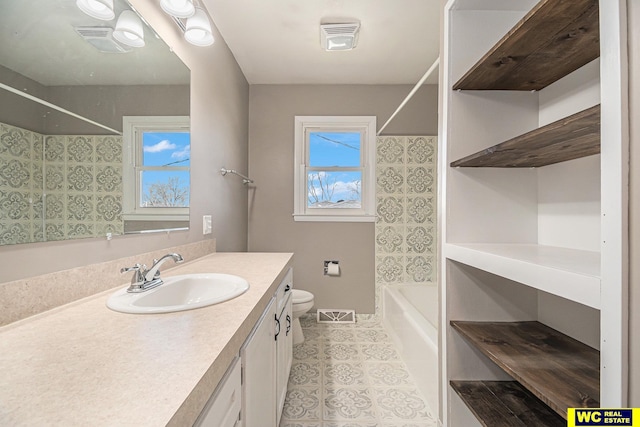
{"x": 554, "y": 39}
{"x": 505, "y": 403}
{"x": 559, "y": 370}
{"x": 570, "y": 138}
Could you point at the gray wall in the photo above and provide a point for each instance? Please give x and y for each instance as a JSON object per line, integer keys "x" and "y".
{"x": 634, "y": 203}
{"x": 15, "y": 109}
{"x": 219, "y": 123}
{"x": 103, "y": 104}
{"x": 271, "y": 226}
{"x": 107, "y": 104}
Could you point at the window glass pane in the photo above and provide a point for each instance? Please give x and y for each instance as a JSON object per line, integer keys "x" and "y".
{"x": 334, "y": 189}
{"x": 164, "y": 189}
{"x": 165, "y": 148}
{"x": 334, "y": 149}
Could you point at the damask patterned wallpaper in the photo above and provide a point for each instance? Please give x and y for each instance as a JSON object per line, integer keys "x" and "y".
{"x": 74, "y": 190}
{"x": 405, "y": 230}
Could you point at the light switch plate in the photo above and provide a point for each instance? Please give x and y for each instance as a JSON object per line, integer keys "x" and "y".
{"x": 206, "y": 224}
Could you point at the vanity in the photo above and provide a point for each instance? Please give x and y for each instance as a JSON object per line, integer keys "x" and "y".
{"x": 84, "y": 364}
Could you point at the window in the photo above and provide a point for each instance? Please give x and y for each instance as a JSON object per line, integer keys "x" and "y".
{"x": 156, "y": 159}
{"x": 334, "y": 168}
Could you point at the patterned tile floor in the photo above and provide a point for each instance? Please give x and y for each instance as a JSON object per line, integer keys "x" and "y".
{"x": 350, "y": 375}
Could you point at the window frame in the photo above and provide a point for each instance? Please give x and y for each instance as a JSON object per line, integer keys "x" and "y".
{"x": 132, "y": 154}
{"x": 306, "y": 124}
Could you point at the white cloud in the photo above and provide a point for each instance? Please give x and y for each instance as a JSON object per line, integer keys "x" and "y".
{"x": 344, "y": 187}
{"x": 160, "y": 146}
{"x": 182, "y": 154}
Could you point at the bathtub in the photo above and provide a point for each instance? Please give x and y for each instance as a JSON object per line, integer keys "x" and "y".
{"x": 410, "y": 315}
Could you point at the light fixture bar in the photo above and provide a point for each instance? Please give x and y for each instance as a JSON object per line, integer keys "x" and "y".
{"x": 180, "y": 23}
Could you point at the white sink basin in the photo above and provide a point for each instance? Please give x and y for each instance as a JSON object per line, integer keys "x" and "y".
{"x": 180, "y": 293}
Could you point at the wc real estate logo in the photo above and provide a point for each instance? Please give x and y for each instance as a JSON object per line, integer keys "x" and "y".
{"x": 603, "y": 417}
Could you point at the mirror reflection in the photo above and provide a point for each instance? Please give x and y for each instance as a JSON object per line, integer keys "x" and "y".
{"x": 94, "y": 131}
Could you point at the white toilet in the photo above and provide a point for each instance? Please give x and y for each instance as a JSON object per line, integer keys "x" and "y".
{"x": 302, "y": 302}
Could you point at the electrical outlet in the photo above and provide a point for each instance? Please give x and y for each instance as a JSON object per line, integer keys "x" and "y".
{"x": 206, "y": 224}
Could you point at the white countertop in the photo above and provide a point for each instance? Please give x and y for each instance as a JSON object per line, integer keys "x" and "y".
{"x": 83, "y": 364}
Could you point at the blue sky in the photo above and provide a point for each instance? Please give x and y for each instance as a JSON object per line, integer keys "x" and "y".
{"x": 334, "y": 149}
{"x": 166, "y": 148}
{"x": 161, "y": 148}
{"x": 327, "y": 149}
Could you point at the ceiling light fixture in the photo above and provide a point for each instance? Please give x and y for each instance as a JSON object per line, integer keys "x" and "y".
{"x": 129, "y": 29}
{"x": 339, "y": 36}
{"x": 178, "y": 8}
{"x": 198, "y": 29}
{"x": 99, "y": 9}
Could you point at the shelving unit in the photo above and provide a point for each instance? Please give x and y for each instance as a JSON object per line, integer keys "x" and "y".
{"x": 570, "y": 138}
{"x": 533, "y": 265}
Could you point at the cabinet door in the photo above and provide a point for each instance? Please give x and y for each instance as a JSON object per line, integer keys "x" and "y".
{"x": 284, "y": 345}
{"x": 289, "y": 337}
{"x": 259, "y": 376}
{"x": 223, "y": 409}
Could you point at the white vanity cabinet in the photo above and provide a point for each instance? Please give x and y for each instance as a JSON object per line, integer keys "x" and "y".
{"x": 284, "y": 340}
{"x": 266, "y": 361}
{"x": 223, "y": 408}
{"x": 258, "y": 372}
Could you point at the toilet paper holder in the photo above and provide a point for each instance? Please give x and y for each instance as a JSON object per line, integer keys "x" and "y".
{"x": 326, "y": 266}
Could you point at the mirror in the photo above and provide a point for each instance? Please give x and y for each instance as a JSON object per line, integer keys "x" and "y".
{"x": 66, "y": 85}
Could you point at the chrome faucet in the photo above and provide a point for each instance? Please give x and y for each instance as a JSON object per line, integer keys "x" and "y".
{"x": 144, "y": 279}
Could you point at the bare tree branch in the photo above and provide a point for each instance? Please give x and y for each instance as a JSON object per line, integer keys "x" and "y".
{"x": 166, "y": 194}
{"x": 321, "y": 187}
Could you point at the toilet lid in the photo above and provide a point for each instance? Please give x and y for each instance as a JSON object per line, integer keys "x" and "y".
{"x": 299, "y": 296}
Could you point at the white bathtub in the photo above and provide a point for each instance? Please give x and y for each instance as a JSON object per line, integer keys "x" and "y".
{"x": 410, "y": 315}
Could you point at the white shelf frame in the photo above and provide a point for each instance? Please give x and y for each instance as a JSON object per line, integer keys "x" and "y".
{"x": 615, "y": 203}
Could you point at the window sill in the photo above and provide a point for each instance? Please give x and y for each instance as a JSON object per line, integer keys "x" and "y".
{"x": 333, "y": 218}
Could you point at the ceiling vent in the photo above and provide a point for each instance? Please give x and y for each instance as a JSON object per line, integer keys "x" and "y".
{"x": 101, "y": 38}
{"x": 339, "y": 36}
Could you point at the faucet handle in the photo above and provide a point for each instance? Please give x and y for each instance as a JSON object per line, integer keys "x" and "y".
{"x": 138, "y": 275}
{"x": 127, "y": 269}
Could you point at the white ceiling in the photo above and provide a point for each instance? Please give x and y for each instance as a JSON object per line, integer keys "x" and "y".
{"x": 278, "y": 41}
{"x": 274, "y": 42}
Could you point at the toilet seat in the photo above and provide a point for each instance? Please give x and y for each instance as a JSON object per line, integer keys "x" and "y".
{"x": 300, "y": 297}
